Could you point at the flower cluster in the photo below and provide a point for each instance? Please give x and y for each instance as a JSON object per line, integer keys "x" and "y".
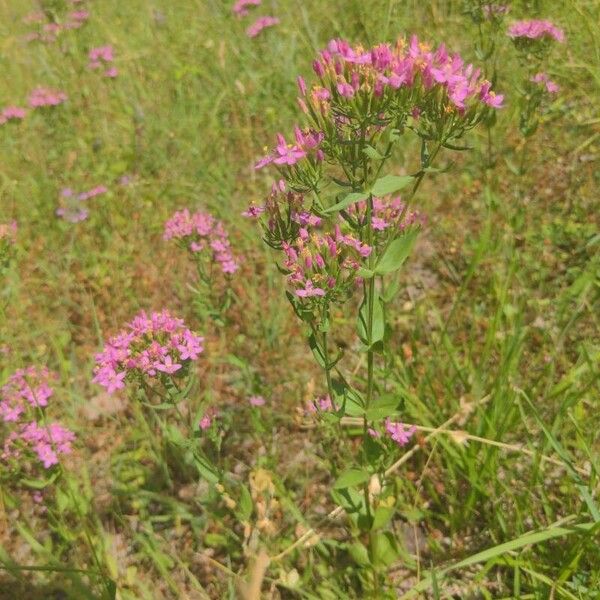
{"x": 25, "y": 388}
{"x": 536, "y": 30}
{"x": 324, "y": 265}
{"x": 201, "y": 233}
{"x": 102, "y": 58}
{"x": 22, "y": 400}
{"x": 49, "y": 32}
{"x": 240, "y": 8}
{"x": 544, "y": 80}
{"x": 12, "y": 113}
{"x": 48, "y": 442}
{"x": 372, "y": 90}
{"x": 150, "y": 345}
{"x": 41, "y": 97}
{"x": 71, "y": 209}
{"x": 260, "y": 24}
{"x": 387, "y": 214}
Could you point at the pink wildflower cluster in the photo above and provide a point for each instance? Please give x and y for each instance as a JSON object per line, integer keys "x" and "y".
{"x": 48, "y": 32}
{"x": 26, "y": 393}
{"x": 12, "y": 113}
{"x": 307, "y": 143}
{"x": 25, "y": 388}
{"x": 399, "y": 432}
{"x": 387, "y": 214}
{"x": 71, "y": 209}
{"x": 240, "y": 8}
{"x": 8, "y": 232}
{"x": 260, "y": 24}
{"x": 149, "y": 345}
{"x": 201, "y": 232}
{"x": 544, "y": 79}
{"x": 41, "y": 97}
{"x": 322, "y": 265}
{"x": 536, "y": 30}
{"x": 102, "y": 58}
{"x": 48, "y": 442}
{"x": 347, "y": 71}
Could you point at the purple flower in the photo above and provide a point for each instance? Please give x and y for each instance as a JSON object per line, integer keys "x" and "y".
{"x": 543, "y": 78}
{"x": 535, "y": 30}
{"x": 400, "y": 433}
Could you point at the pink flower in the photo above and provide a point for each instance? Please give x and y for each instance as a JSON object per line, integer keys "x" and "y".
{"x": 149, "y": 344}
{"x": 490, "y": 98}
{"x": 12, "y": 113}
{"x": 543, "y": 78}
{"x": 25, "y": 389}
{"x": 309, "y": 290}
{"x": 535, "y": 30}
{"x": 257, "y": 400}
{"x": 41, "y": 97}
{"x": 47, "y": 442}
{"x": 240, "y": 8}
{"x": 260, "y": 24}
{"x": 400, "y": 433}
{"x": 201, "y": 232}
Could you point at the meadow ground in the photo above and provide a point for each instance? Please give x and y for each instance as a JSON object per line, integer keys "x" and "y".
{"x": 495, "y": 324}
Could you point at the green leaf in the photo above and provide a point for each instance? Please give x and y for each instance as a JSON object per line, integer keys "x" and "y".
{"x": 382, "y": 407}
{"x": 245, "y": 504}
{"x": 317, "y": 351}
{"x": 386, "y": 549}
{"x": 359, "y": 554}
{"x": 372, "y": 153}
{"x": 390, "y": 184}
{"x": 347, "y": 201}
{"x": 397, "y": 252}
{"x": 351, "y": 478}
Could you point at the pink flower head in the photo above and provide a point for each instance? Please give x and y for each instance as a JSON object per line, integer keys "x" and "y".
{"x": 257, "y": 400}
{"x": 321, "y": 404}
{"x": 260, "y": 24}
{"x": 148, "y": 346}
{"x": 207, "y": 419}
{"x": 47, "y": 442}
{"x": 543, "y": 78}
{"x": 240, "y": 8}
{"x": 536, "y": 30}
{"x": 99, "y": 55}
{"x": 400, "y": 433}
{"x": 12, "y": 113}
{"x": 41, "y": 97}
{"x": 309, "y": 290}
{"x": 252, "y": 212}
{"x": 202, "y": 234}
{"x": 25, "y": 390}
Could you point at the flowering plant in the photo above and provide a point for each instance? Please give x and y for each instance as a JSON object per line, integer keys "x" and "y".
{"x": 343, "y": 233}
{"x": 534, "y": 40}
{"x": 207, "y": 243}
{"x": 29, "y": 440}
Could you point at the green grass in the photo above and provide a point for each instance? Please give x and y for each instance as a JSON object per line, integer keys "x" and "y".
{"x": 500, "y": 301}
